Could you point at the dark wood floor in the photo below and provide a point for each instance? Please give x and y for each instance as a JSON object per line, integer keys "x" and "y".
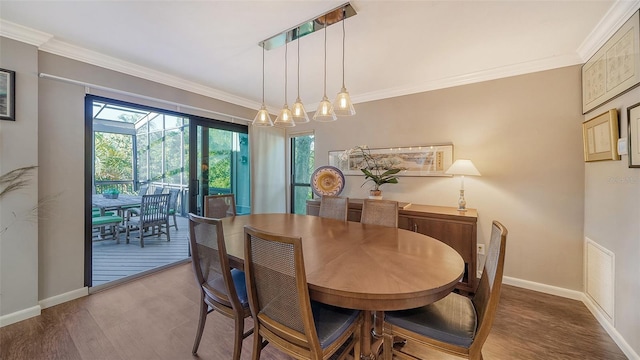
{"x": 155, "y": 317}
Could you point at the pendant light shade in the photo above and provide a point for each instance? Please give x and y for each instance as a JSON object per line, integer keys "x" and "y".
{"x": 343, "y": 105}
{"x": 262, "y": 117}
{"x": 299, "y": 113}
{"x": 325, "y": 109}
{"x": 285, "y": 118}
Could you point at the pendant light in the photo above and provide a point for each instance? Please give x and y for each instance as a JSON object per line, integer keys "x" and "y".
{"x": 262, "y": 117}
{"x": 325, "y": 109}
{"x": 342, "y": 105}
{"x": 299, "y": 113}
{"x": 286, "y": 117}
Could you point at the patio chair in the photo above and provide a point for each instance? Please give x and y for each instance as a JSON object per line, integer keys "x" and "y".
{"x": 154, "y": 212}
{"x": 173, "y": 205}
{"x": 158, "y": 190}
{"x": 219, "y": 206}
{"x": 143, "y": 190}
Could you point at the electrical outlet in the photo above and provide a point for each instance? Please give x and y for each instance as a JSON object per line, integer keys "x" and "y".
{"x": 480, "y": 249}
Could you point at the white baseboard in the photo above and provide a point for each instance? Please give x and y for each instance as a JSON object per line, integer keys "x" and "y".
{"x": 68, "y": 296}
{"x": 544, "y": 288}
{"x": 34, "y": 311}
{"x": 606, "y": 324}
{"x": 580, "y": 296}
{"x": 19, "y": 315}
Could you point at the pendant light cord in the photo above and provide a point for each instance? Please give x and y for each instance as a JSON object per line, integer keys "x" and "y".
{"x": 325, "y": 56}
{"x": 343, "y": 37}
{"x": 263, "y": 73}
{"x": 298, "y": 67}
{"x": 286, "y": 50}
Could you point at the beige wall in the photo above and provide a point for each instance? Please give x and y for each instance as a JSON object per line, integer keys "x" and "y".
{"x": 523, "y": 134}
{"x": 62, "y": 157}
{"x": 18, "y": 223}
{"x": 612, "y": 219}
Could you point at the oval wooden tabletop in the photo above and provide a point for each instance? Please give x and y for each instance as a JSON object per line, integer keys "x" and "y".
{"x": 358, "y": 266}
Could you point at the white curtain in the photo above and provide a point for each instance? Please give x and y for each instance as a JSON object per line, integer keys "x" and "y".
{"x": 268, "y": 170}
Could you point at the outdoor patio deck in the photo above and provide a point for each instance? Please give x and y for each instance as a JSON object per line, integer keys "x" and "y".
{"x": 113, "y": 261}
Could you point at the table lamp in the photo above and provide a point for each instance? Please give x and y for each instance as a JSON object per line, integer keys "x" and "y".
{"x": 462, "y": 167}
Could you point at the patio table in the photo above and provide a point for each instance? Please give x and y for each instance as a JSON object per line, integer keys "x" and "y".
{"x": 122, "y": 202}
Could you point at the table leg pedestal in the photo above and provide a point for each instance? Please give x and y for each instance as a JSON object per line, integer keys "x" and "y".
{"x": 367, "y": 354}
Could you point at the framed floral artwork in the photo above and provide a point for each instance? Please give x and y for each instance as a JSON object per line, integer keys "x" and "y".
{"x": 424, "y": 160}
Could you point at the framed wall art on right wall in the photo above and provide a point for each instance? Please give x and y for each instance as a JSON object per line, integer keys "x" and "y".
{"x": 615, "y": 68}
{"x": 600, "y": 136}
{"x": 633, "y": 135}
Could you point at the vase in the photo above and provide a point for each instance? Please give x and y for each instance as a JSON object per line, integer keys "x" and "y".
{"x": 375, "y": 194}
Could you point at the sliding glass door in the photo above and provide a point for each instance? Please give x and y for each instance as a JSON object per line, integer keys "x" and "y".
{"x": 220, "y": 164}
{"x": 135, "y": 150}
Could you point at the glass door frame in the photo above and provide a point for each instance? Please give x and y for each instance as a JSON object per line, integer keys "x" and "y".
{"x": 195, "y": 123}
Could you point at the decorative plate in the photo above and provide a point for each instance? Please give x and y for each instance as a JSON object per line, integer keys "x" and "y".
{"x": 327, "y": 180}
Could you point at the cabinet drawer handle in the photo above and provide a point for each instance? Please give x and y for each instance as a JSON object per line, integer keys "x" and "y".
{"x": 415, "y": 227}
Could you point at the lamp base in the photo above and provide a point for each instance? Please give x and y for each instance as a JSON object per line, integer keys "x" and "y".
{"x": 462, "y": 203}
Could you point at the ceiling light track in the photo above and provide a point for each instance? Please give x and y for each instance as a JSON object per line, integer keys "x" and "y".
{"x": 331, "y": 17}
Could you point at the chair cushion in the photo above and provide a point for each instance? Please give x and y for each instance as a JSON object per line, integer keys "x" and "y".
{"x": 106, "y": 220}
{"x": 451, "y": 320}
{"x": 331, "y": 321}
{"x": 97, "y": 213}
{"x": 239, "y": 282}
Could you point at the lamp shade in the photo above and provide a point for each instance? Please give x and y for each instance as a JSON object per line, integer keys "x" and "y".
{"x": 463, "y": 167}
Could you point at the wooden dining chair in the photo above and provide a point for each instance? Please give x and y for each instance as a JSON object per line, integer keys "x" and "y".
{"x": 456, "y": 324}
{"x": 282, "y": 311}
{"x": 221, "y": 288}
{"x": 154, "y": 213}
{"x": 334, "y": 207}
{"x": 219, "y": 206}
{"x": 380, "y": 212}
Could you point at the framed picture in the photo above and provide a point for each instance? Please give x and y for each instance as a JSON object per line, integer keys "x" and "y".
{"x": 600, "y": 136}
{"x": 7, "y": 95}
{"x": 633, "y": 135}
{"x": 614, "y": 68}
{"x": 425, "y": 160}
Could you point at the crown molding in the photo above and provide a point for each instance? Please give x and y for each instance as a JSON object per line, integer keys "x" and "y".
{"x": 470, "y": 78}
{"x": 23, "y": 34}
{"x": 617, "y": 15}
{"x": 46, "y": 42}
{"x": 74, "y": 52}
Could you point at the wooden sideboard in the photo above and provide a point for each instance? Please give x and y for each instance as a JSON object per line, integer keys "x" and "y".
{"x": 455, "y": 228}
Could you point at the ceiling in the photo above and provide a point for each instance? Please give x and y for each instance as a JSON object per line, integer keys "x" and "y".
{"x": 393, "y": 48}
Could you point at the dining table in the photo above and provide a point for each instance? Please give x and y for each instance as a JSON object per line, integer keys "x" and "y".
{"x": 359, "y": 266}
